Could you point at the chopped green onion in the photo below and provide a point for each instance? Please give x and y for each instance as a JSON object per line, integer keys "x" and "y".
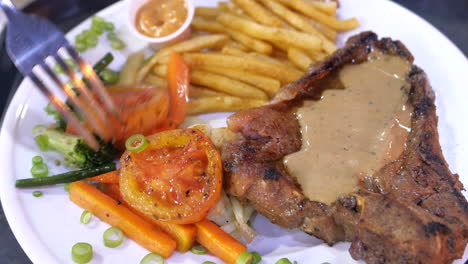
{"x": 80, "y": 47}
{"x": 113, "y": 237}
{"x": 98, "y": 29}
{"x": 37, "y": 193}
{"x": 109, "y": 26}
{"x": 199, "y": 250}
{"x": 66, "y": 187}
{"x": 208, "y": 262}
{"x": 257, "y": 257}
{"x": 91, "y": 41}
{"x": 283, "y": 261}
{"x": 136, "y": 143}
{"x": 112, "y": 36}
{"x": 37, "y": 160}
{"x": 152, "y": 258}
{"x": 39, "y": 170}
{"x": 98, "y": 20}
{"x": 80, "y": 38}
{"x": 42, "y": 142}
{"x": 86, "y": 217}
{"x": 109, "y": 76}
{"x": 326, "y": 263}
{"x": 245, "y": 258}
{"x": 82, "y": 253}
{"x": 117, "y": 44}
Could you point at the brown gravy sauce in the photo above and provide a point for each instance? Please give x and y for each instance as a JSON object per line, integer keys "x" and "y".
{"x": 352, "y": 132}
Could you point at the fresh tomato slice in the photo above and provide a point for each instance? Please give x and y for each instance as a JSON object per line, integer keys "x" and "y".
{"x": 177, "y": 178}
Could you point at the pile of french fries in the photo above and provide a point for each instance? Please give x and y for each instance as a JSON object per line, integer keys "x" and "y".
{"x": 242, "y": 51}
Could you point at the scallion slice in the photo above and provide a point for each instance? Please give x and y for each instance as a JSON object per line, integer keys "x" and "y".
{"x": 199, "y": 250}
{"x": 82, "y": 253}
{"x": 245, "y": 258}
{"x": 152, "y": 258}
{"x": 257, "y": 257}
{"x": 136, "y": 143}
{"x": 37, "y": 160}
{"x": 37, "y": 193}
{"x": 113, "y": 237}
{"x": 39, "y": 170}
{"x": 208, "y": 262}
{"x": 86, "y": 217}
{"x": 283, "y": 261}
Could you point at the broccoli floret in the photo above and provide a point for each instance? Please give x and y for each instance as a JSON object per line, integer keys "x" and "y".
{"x": 77, "y": 152}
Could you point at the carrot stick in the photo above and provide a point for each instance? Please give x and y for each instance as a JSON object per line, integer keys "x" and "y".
{"x": 218, "y": 242}
{"x": 184, "y": 235}
{"x": 109, "y": 177}
{"x": 111, "y": 212}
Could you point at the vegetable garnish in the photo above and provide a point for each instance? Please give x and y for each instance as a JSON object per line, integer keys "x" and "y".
{"x": 82, "y": 253}
{"x": 113, "y": 237}
{"x": 178, "y": 77}
{"x": 152, "y": 258}
{"x": 66, "y": 177}
{"x": 283, "y": 261}
{"x": 37, "y": 194}
{"x": 39, "y": 168}
{"x": 178, "y": 178}
{"x": 86, "y": 217}
{"x": 218, "y": 242}
{"x": 110, "y": 211}
{"x": 136, "y": 143}
{"x": 89, "y": 38}
{"x": 257, "y": 257}
{"x": 199, "y": 250}
{"x": 208, "y": 262}
{"x": 245, "y": 258}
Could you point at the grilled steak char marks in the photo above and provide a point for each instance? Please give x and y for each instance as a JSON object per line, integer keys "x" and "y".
{"x": 410, "y": 211}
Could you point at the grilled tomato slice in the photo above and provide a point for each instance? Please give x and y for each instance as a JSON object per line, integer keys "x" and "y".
{"x": 177, "y": 178}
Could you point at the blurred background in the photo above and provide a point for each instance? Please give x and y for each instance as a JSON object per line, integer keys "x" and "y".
{"x": 450, "y": 17}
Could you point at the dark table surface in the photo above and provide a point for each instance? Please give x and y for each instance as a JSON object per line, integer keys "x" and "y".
{"x": 450, "y": 17}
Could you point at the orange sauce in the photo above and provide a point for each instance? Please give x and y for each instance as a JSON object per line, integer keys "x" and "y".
{"x": 160, "y": 18}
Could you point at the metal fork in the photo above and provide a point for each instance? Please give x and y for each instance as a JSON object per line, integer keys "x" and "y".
{"x": 30, "y": 41}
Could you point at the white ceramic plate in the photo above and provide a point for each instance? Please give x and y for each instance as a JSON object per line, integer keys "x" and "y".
{"x": 47, "y": 227}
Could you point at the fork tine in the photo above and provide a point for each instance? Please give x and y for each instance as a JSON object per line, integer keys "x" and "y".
{"x": 97, "y": 110}
{"x": 94, "y": 80}
{"x": 65, "y": 111}
{"x": 76, "y": 102}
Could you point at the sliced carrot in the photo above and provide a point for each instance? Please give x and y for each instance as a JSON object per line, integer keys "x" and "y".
{"x": 109, "y": 177}
{"x": 113, "y": 213}
{"x": 218, "y": 242}
{"x": 184, "y": 235}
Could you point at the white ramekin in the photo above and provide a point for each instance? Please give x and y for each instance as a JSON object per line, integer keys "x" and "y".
{"x": 156, "y": 43}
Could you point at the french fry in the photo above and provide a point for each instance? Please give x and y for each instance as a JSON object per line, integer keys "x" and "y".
{"x": 206, "y": 25}
{"x": 207, "y": 12}
{"x": 285, "y": 63}
{"x": 289, "y": 37}
{"x": 156, "y": 80}
{"x": 107, "y": 209}
{"x": 160, "y": 70}
{"x": 199, "y": 92}
{"x": 299, "y": 58}
{"x": 229, "y": 50}
{"x": 231, "y": 8}
{"x": 236, "y": 45}
{"x": 328, "y": 8}
{"x": 129, "y": 71}
{"x": 316, "y": 55}
{"x": 226, "y": 85}
{"x": 310, "y": 10}
{"x": 221, "y": 104}
{"x": 267, "y": 84}
{"x": 248, "y": 64}
{"x": 326, "y": 31}
{"x": 190, "y": 45}
{"x": 258, "y": 13}
{"x": 252, "y": 43}
{"x": 299, "y": 22}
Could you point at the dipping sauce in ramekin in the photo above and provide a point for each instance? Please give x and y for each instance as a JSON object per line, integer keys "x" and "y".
{"x": 160, "y": 22}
